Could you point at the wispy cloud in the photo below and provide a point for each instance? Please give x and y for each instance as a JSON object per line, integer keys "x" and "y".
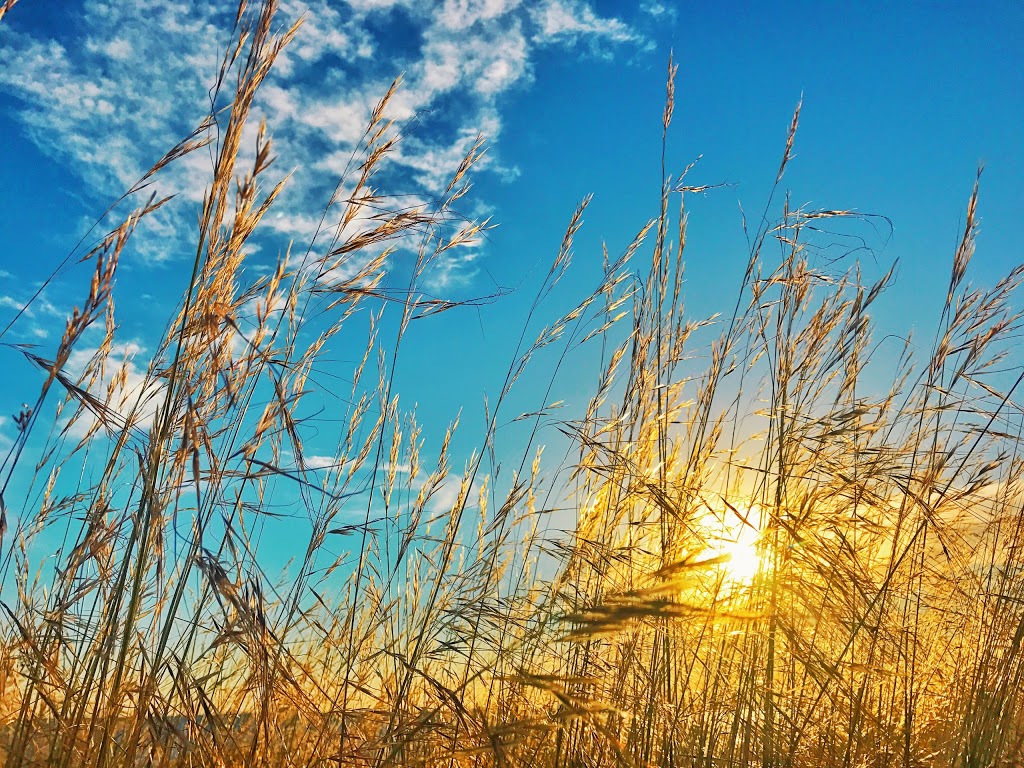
{"x": 35, "y": 315}
{"x": 659, "y": 10}
{"x": 133, "y": 398}
{"x": 40, "y": 306}
{"x": 114, "y": 102}
{"x": 457, "y": 270}
{"x": 572, "y": 21}
{"x": 321, "y": 462}
{"x": 109, "y": 103}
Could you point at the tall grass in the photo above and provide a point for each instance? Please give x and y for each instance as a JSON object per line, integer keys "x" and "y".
{"x": 883, "y": 625}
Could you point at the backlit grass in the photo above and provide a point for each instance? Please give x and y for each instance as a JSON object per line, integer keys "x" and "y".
{"x": 752, "y": 554}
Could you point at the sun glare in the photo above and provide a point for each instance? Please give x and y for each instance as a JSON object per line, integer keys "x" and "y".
{"x": 744, "y": 560}
{"x": 738, "y": 541}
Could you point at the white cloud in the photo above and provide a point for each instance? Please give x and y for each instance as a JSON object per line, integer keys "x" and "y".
{"x": 117, "y": 49}
{"x": 457, "y": 270}
{"x": 433, "y": 163}
{"x": 324, "y": 32}
{"x": 571, "y": 20}
{"x": 114, "y": 105}
{"x": 36, "y": 315}
{"x": 110, "y": 105}
{"x": 366, "y": 6}
{"x": 659, "y": 10}
{"x": 320, "y": 462}
{"x": 489, "y": 59}
{"x": 124, "y": 387}
{"x": 448, "y": 492}
{"x": 459, "y": 14}
{"x": 39, "y": 306}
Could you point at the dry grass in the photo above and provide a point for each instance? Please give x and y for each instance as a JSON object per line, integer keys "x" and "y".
{"x": 883, "y": 625}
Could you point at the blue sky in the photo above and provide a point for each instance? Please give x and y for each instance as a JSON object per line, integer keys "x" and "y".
{"x": 901, "y": 104}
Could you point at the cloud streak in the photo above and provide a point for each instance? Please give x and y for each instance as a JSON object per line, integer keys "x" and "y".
{"x": 110, "y": 101}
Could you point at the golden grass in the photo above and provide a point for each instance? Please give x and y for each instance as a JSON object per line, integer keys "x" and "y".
{"x": 882, "y": 625}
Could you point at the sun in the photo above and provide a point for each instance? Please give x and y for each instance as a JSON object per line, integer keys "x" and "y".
{"x": 744, "y": 560}
{"x": 735, "y": 541}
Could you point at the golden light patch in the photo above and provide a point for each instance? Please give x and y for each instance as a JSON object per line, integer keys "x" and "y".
{"x": 735, "y": 540}
{"x": 744, "y": 560}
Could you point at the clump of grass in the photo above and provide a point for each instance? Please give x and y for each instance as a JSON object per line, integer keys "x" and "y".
{"x": 881, "y": 625}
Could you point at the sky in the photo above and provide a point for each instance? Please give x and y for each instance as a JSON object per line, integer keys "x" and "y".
{"x": 901, "y": 104}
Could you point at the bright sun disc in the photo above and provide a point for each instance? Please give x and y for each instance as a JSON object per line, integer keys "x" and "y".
{"x": 737, "y": 541}
{"x": 744, "y": 560}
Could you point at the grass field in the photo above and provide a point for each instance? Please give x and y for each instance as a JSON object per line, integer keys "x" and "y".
{"x": 770, "y": 560}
